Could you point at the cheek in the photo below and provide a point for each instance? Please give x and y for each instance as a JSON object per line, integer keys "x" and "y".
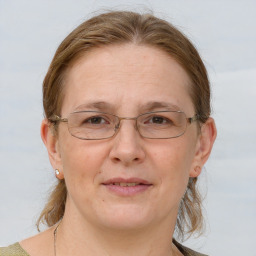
{"x": 172, "y": 163}
{"x": 81, "y": 161}
{"x": 172, "y": 157}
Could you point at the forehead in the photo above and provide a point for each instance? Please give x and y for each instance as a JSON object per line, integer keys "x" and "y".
{"x": 126, "y": 74}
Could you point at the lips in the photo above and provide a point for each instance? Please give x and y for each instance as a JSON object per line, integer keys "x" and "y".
{"x": 127, "y": 181}
{"x": 127, "y": 187}
{"x": 125, "y": 184}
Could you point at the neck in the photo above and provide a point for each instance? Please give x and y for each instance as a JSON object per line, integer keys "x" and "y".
{"x": 76, "y": 239}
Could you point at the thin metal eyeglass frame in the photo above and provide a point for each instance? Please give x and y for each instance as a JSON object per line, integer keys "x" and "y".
{"x": 190, "y": 120}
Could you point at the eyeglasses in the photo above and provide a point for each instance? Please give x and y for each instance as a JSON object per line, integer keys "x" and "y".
{"x": 94, "y": 125}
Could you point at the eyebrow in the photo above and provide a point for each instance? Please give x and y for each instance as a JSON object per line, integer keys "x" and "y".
{"x": 153, "y": 105}
{"x": 98, "y": 105}
{"x": 148, "y": 107}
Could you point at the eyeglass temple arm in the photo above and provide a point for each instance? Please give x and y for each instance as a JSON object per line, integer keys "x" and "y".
{"x": 194, "y": 118}
{"x": 56, "y": 118}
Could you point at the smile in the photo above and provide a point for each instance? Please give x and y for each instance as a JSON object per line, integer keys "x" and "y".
{"x": 126, "y": 184}
{"x": 126, "y": 187}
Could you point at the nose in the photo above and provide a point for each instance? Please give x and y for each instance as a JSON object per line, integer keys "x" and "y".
{"x": 127, "y": 145}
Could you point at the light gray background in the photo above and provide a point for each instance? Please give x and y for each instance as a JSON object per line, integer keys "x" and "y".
{"x": 225, "y": 34}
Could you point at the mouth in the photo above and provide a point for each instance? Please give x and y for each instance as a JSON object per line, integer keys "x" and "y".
{"x": 127, "y": 187}
{"x": 123, "y": 184}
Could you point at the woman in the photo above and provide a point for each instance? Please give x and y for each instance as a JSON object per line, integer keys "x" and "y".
{"x": 128, "y": 129}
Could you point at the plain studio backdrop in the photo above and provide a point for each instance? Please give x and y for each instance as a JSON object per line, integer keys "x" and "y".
{"x": 224, "y": 33}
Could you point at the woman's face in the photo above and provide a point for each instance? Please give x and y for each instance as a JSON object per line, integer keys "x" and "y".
{"x": 126, "y": 80}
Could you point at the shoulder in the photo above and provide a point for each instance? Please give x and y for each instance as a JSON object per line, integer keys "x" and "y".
{"x": 187, "y": 251}
{"x": 13, "y": 250}
{"x": 40, "y": 245}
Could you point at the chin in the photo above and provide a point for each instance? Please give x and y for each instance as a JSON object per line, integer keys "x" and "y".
{"x": 126, "y": 218}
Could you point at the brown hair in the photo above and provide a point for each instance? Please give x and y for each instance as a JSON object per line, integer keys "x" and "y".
{"x": 120, "y": 27}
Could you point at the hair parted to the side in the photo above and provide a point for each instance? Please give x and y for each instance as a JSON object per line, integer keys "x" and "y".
{"x": 122, "y": 27}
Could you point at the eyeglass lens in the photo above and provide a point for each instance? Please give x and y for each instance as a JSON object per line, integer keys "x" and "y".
{"x": 156, "y": 125}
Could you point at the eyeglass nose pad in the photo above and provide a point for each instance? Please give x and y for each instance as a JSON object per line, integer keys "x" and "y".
{"x": 117, "y": 127}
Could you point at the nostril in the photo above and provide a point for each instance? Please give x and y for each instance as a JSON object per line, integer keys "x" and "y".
{"x": 116, "y": 159}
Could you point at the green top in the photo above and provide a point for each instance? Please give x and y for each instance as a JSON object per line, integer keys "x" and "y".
{"x": 13, "y": 250}
{"x": 17, "y": 250}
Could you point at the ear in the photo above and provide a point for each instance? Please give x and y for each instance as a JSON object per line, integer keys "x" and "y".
{"x": 204, "y": 146}
{"x": 50, "y": 140}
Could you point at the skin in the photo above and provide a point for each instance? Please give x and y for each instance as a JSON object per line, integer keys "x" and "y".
{"x": 97, "y": 221}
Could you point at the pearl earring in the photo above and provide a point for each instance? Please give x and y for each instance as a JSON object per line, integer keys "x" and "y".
{"x": 57, "y": 172}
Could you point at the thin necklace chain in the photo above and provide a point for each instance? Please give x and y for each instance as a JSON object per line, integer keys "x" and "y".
{"x": 55, "y": 238}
